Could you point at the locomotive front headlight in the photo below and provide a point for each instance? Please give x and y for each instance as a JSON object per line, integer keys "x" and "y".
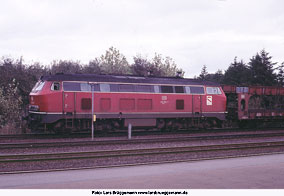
{"x": 34, "y": 108}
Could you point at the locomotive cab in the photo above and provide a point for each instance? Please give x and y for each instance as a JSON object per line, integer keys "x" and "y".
{"x": 44, "y": 103}
{"x": 43, "y": 96}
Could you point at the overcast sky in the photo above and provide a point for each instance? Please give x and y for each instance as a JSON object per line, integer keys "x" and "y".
{"x": 192, "y": 32}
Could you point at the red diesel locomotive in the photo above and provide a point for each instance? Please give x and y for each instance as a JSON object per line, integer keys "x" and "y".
{"x": 64, "y": 102}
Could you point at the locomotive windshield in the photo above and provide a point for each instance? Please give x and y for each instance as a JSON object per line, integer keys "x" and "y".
{"x": 38, "y": 87}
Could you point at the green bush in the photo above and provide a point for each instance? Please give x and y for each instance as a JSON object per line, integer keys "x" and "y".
{"x": 10, "y": 107}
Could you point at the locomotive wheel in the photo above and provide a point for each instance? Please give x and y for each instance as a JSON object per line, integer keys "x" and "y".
{"x": 161, "y": 124}
{"x": 206, "y": 124}
{"x": 170, "y": 125}
{"x": 60, "y": 128}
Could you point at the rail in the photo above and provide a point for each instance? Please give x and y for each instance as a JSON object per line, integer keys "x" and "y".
{"x": 74, "y": 160}
{"x": 178, "y": 138}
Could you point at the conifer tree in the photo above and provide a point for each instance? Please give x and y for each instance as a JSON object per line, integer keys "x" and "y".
{"x": 237, "y": 73}
{"x": 261, "y": 70}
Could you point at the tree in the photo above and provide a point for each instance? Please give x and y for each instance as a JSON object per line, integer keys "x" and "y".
{"x": 15, "y": 71}
{"x": 158, "y": 66}
{"x": 66, "y": 67}
{"x": 141, "y": 66}
{"x": 36, "y": 70}
{"x": 164, "y": 67}
{"x": 10, "y": 104}
{"x": 93, "y": 67}
{"x": 204, "y": 73}
{"x": 280, "y": 74}
{"x": 216, "y": 77}
{"x": 213, "y": 77}
{"x": 113, "y": 62}
{"x": 262, "y": 71}
{"x": 237, "y": 73}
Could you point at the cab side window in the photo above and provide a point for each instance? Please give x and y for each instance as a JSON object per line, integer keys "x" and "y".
{"x": 55, "y": 86}
{"x": 213, "y": 91}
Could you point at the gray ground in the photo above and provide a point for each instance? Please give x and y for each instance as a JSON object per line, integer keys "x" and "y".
{"x": 247, "y": 173}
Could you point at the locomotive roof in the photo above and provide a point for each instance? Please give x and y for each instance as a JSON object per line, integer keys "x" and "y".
{"x": 126, "y": 79}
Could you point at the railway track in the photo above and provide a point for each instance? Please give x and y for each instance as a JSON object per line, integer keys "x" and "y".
{"x": 177, "y": 138}
{"x": 124, "y": 133}
{"x": 134, "y": 152}
{"x": 107, "y": 158}
{"x": 32, "y": 155}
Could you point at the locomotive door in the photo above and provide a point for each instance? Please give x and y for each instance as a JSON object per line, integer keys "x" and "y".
{"x": 196, "y": 104}
{"x": 69, "y": 102}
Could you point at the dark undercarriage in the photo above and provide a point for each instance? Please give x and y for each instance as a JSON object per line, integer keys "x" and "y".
{"x": 106, "y": 122}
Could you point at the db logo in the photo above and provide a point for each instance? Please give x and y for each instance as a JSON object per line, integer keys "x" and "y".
{"x": 164, "y": 100}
